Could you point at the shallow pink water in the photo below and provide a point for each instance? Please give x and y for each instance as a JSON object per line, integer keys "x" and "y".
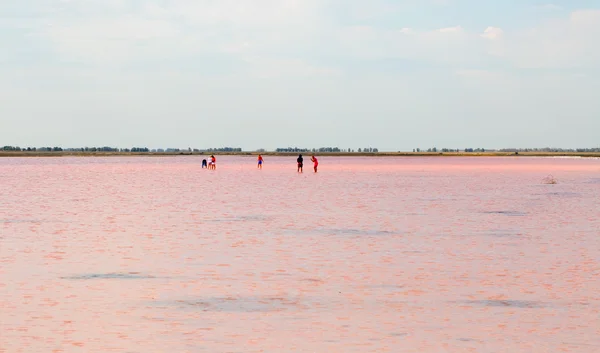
{"x": 369, "y": 255}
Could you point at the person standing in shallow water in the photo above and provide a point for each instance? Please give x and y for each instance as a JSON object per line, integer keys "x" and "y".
{"x": 300, "y": 161}
{"x": 315, "y": 161}
{"x": 260, "y": 161}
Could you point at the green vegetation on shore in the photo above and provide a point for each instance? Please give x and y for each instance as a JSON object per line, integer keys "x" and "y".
{"x": 340, "y": 154}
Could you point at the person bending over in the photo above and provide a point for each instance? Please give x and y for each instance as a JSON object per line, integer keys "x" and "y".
{"x": 315, "y": 161}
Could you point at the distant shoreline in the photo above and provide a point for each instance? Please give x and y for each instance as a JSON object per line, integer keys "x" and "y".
{"x": 289, "y": 154}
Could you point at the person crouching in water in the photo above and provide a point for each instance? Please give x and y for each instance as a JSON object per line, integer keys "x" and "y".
{"x": 315, "y": 161}
{"x": 204, "y": 165}
{"x": 260, "y": 161}
{"x": 300, "y": 161}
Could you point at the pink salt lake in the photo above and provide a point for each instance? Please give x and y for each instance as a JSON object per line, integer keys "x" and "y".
{"x": 428, "y": 255}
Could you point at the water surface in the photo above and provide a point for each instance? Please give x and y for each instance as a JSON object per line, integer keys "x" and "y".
{"x": 152, "y": 254}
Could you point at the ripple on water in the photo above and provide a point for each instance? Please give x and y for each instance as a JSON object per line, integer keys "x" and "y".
{"x": 111, "y": 275}
{"x": 248, "y": 218}
{"x": 239, "y": 304}
{"x": 339, "y": 231}
{"x": 507, "y": 213}
{"x": 501, "y": 233}
{"x": 523, "y": 304}
{"x": 386, "y": 287}
{"x": 21, "y": 221}
{"x": 560, "y": 194}
{"x": 352, "y": 231}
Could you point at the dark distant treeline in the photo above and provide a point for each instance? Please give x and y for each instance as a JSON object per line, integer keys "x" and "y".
{"x": 324, "y": 149}
{"x": 289, "y": 149}
{"x": 550, "y": 149}
{"x": 223, "y": 149}
{"x": 115, "y": 149}
{"x": 81, "y": 149}
{"x": 457, "y": 150}
{"x": 17, "y": 149}
{"x": 481, "y": 150}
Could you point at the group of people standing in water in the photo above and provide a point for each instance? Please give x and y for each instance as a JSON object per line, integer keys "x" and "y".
{"x": 300, "y": 161}
{"x": 210, "y": 165}
{"x": 213, "y": 163}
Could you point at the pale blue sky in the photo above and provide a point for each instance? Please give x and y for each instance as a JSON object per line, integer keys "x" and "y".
{"x": 309, "y": 73}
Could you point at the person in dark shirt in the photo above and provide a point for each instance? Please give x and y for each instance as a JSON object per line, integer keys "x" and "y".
{"x": 204, "y": 165}
{"x": 300, "y": 161}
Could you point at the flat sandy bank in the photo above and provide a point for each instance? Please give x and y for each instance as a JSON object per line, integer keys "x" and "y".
{"x": 288, "y": 154}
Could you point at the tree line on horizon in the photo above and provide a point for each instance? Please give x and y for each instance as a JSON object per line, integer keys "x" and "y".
{"x": 162, "y": 150}
{"x": 481, "y": 150}
{"x": 434, "y": 149}
{"x": 446, "y": 150}
{"x": 550, "y": 149}
{"x": 116, "y": 149}
{"x": 324, "y": 149}
{"x": 286, "y": 149}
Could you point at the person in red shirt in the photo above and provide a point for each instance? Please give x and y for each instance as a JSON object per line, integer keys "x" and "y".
{"x": 260, "y": 161}
{"x": 315, "y": 161}
{"x": 213, "y": 162}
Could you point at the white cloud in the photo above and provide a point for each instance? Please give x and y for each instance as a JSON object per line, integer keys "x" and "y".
{"x": 115, "y": 32}
{"x": 474, "y": 73}
{"x": 569, "y": 42}
{"x": 257, "y": 13}
{"x": 444, "y": 45}
{"x": 271, "y": 68}
{"x": 560, "y": 43}
{"x": 492, "y": 33}
{"x": 549, "y": 7}
{"x": 111, "y": 40}
{"x": 451, "y": 29}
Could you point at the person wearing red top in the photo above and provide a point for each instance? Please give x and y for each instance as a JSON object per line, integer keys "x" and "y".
{"x": 213, "y": 163}
{"x": 315, "y": 161}
{"x": 260, "y": 161}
